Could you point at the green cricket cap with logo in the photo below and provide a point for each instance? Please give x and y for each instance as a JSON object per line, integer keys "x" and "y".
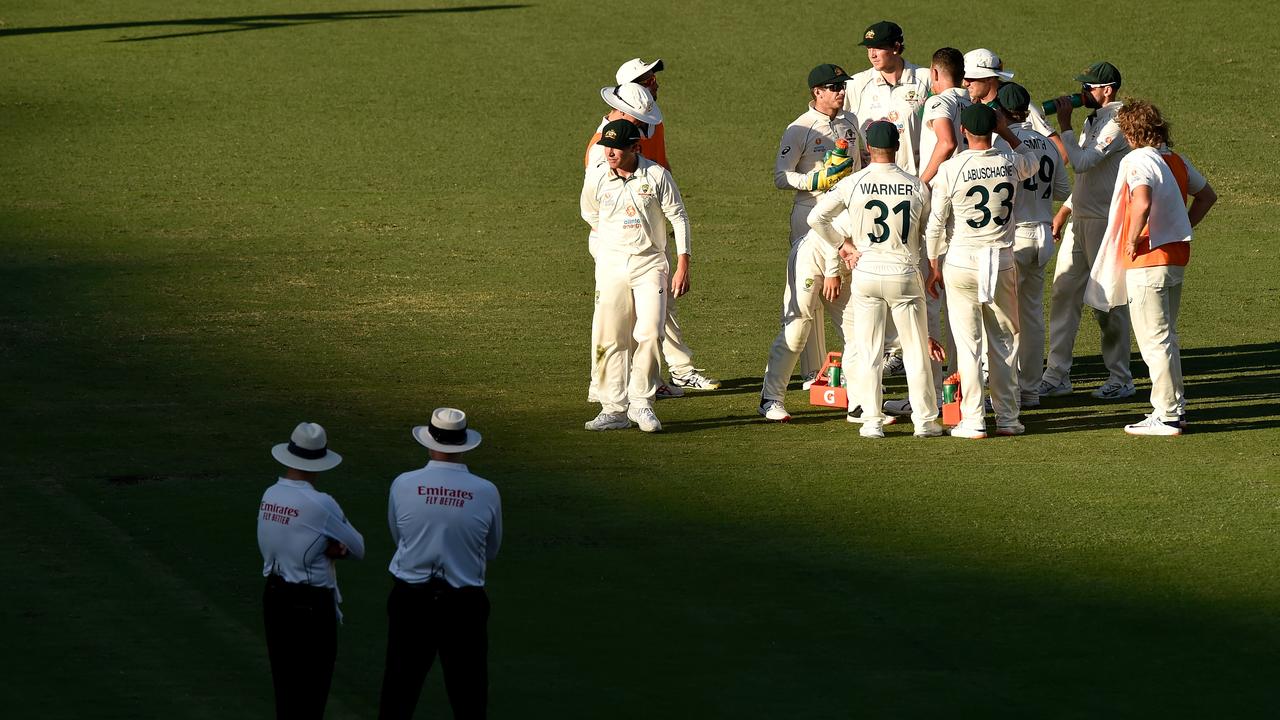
{"x": 884, "y": 34}
{"x": 1013, "y": 96}
{"x": 827, "y": 74}
{"x": 620, "y": 134}
{"x": 882, "y": 134}
{"x": 978, "y": 119}
{"x": 1100, "y": 73}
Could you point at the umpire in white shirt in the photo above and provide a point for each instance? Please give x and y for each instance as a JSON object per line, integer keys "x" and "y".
{"x": 301, "y": 532}
{"x": 447, "y": 526}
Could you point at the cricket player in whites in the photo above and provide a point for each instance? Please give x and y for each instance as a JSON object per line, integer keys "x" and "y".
{"x": 977, "y": 188}
{"x": 1096, "y": 158}
{"x": 886, "y": 207}
{"x": 1033, "y": 244}
{"x": 625, "y": 201}
{"x": 802, "y": 166}
{"x": 891, "y": 89}
{"x": 678, "y": 355}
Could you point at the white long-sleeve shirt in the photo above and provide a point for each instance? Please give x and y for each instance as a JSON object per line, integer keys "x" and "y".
{"x": 295, "y": 524}
{"x": 870, "y": 98}
{"x": 445, "y": 522}
{"x": 945, "y": 107}
{"x": 977, "y": 188}
{"x": 806, "y": 142}
{"x": 1033, "y": 199}
{"x": 630, "y": 214}
{"x": 1095, "y": 156}
{"x": 885, "y": 206}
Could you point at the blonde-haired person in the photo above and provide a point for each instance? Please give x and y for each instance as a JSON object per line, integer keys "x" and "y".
{"x": 1152, "y": 225}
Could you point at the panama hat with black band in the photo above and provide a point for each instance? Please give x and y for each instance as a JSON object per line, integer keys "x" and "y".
{"x": 448, "y": 431}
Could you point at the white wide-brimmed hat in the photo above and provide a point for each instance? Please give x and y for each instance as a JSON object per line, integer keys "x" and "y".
{"x": 307, "y": 449}
{"x": 633, "y": 100}
{"x": 634, "y": 68}
{"x": 982, "y": 63}
{"x": 447, "y": 432}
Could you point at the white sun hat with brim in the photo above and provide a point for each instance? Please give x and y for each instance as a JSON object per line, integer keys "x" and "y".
{"x": 982, "y": 63}
{"x": 635, "y": 68}
{"x": 307, "y": 449}
{"x": 633, "y": 100}
{"x": 447, "y": 433}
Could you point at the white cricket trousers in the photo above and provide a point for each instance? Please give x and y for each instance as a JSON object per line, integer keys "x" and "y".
{"x": 1080, "y": 243}
{"x": 1155, "y": 295}
{"x": 881, "y": 291}
{"x": 815, "y": 349}
{"x": 802, "y": 305}
{"x": 971, "y": 322}
{"x": 631, "y": 293}
{"x": 678, "y": 355}
{"x": 1031, "y": 250}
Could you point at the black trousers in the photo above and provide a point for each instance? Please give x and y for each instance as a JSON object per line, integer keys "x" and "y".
{"x": 302, "y": 643}
{"x": 429, "y": 618}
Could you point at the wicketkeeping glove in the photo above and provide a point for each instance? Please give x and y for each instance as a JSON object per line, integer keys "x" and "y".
{"x": 832, "y": 171}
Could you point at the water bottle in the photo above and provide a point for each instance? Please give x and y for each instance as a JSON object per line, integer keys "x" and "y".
{"x": 1051, "y": 106}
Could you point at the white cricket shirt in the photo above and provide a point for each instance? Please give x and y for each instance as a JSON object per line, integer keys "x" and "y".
{"x": 1096, "y": 157}
{"x": 943, "y": 107}
{"x": 1168, "y": 221}
{"x": 886, "y": 206}
{"x": 295, "y": 524}
{"x": 806, "y": 142}
{"x": 630, "y": 215}
{"x": 1033, "y": 201}
{"x": 976, "y": 188}
{"x": 445, "y": 522}
{"x": 869, "y": 97}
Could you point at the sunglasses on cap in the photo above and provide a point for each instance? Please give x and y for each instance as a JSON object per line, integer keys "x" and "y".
{"x": 833, "y": 87}
{"x": 1092, "y": 86}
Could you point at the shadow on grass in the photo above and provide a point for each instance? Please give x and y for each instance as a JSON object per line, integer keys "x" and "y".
{"x": 733, "y": 605}
{"x": 243, "y": 23}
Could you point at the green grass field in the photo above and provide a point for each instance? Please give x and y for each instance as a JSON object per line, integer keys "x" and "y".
{"x": 218, "y": 220}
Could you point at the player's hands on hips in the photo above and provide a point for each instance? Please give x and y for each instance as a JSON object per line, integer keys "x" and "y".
{"x": 936, "y": 351}
{"x": 680, "y": 278}
{"x": 849, "y": 254}
{"x": 830, "y": 288}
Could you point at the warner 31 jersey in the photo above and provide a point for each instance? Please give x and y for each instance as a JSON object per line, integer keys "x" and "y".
{"x": 886, "y": 206}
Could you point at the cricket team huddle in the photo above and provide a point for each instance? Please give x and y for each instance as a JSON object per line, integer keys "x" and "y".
{"x": 920, "y": 193}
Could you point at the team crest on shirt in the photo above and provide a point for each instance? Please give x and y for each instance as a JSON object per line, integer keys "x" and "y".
{"x": 912, "y": 97}
{"x": 893, "y": 116}
{"x": 644, "y": 188}
{"x": 808, "y": 283}
{"x": 848, "y": 133}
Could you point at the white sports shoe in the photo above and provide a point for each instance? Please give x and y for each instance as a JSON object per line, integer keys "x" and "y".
{"x": 870, "y": 430}
{"x": 645, "y": 418}
{"x": 961, "y": 431}
{"x": 893, "y": 365}
{"x": 773, "y": 410}
{"x": 669, "y": 391}
{"x": 694, "y": 380}
{"x": 930, "y": 429}
{"x": 1151, "y": 425}
{"x": 1016, "y": 428}
{"x": 1112, "y": 390}
{"x": 809, "y": 380}
{"x": 609, "y": 421}
{"x": 1048, "y": 389}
